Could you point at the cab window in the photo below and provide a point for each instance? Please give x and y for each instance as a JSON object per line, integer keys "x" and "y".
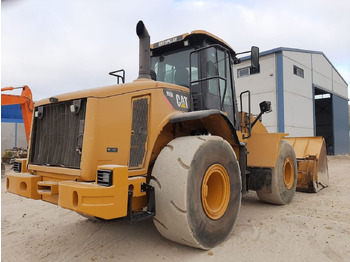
{"x": 174, "y": 67}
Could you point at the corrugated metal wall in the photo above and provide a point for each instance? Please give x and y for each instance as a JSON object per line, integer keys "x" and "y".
{"x": 340, "y": 125}
{"x": 11, "y": 114}
{"x": 293, "y": 95}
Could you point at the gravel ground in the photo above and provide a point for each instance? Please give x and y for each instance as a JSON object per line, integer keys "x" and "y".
{"x": 314, "y": 227}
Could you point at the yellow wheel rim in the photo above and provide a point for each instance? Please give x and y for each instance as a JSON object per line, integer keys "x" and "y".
{"x": 288, "y": 173}
{"x": 215, "y": 191}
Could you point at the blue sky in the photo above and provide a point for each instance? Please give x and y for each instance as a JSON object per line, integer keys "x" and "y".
{"x": 58, "y": 46}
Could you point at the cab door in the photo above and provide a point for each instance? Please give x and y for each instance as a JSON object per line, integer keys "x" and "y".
{"x": 213, "y": 83}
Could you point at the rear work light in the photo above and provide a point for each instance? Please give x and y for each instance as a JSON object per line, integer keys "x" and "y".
{"x": 105, "y": 177}
{"x": 17, "y": 166}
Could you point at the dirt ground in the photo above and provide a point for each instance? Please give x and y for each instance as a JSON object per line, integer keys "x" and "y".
{"x": 314, "y": 227}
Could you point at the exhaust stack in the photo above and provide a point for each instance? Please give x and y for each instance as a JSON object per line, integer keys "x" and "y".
{"x": 144, "y": 55}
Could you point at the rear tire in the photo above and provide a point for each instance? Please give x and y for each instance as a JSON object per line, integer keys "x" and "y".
{"x": 198, "y": 191}
{"x": 284, "y": 177}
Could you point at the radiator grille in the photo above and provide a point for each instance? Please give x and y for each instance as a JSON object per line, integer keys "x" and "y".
{"x": 139, "y": 131}
{"x": 58, "y": 134}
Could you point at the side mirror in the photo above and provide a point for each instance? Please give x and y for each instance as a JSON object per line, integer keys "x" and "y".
{"x": 265, "y": 107}
{"x": 255, "y": 58}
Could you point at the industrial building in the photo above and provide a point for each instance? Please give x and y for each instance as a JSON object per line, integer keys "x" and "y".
{"x": 308, "y": 95}
{"x": 12, "y": 127}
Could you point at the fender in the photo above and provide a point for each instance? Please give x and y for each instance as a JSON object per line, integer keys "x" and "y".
{"x": 217, "y": 123}
{"x": 222, "y": 125}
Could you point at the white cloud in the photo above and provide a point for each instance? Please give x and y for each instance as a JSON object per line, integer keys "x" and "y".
{"x": 60, "y": 46}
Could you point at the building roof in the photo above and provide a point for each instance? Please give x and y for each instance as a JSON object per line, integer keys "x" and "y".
{"x": 281, "y": 49}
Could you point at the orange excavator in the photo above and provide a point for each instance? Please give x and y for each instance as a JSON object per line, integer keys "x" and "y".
{"x": 26, "y": 102}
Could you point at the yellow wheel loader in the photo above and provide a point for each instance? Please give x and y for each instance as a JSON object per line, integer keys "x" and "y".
{"x": 172, "y": 146}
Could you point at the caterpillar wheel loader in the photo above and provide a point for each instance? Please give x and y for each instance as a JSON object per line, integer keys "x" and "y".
{"x": 171, "y": 145}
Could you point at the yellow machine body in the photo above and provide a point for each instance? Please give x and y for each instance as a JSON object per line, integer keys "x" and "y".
{"x": 112, "y": 141}
{"x": 108, "y": 124}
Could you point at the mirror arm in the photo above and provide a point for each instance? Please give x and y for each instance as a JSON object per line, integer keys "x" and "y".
{"x": 257, "y": 118}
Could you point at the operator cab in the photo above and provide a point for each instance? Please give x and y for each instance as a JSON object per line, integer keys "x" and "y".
{"x": 203, "y": 63}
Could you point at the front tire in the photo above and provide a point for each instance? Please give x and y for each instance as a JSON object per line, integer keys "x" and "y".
{"x": 198, "y": 191}
{"x": 284, "y": 177}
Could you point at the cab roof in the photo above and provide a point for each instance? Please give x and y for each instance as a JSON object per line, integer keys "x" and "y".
{"x": 196, "y": 36}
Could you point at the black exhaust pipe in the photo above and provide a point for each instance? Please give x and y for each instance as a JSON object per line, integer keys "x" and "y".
{"x": 144, "y": 55}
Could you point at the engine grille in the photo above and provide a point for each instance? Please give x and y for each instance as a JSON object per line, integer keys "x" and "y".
{"x": 139, "y": 131}
{"x": 57, "y": 134}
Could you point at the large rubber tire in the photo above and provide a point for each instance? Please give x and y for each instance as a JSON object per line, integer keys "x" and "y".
{"x": 284, "y": 177}
{"x": 178, "y": 176}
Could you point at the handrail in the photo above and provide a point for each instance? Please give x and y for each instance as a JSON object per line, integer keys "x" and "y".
{"x": 249, "y": 127}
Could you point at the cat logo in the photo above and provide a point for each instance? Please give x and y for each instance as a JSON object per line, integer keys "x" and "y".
{"x": 177, "y": 100}
{"x": 181, "y": 101}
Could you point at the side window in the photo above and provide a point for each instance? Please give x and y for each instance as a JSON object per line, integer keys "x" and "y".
{"x": 228, "y": 97}
{"x": 224, "y": 74}
{"x": 194, "y": 67}
{"x": 218, "y": 66}
{"x": 212, "y": 71}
